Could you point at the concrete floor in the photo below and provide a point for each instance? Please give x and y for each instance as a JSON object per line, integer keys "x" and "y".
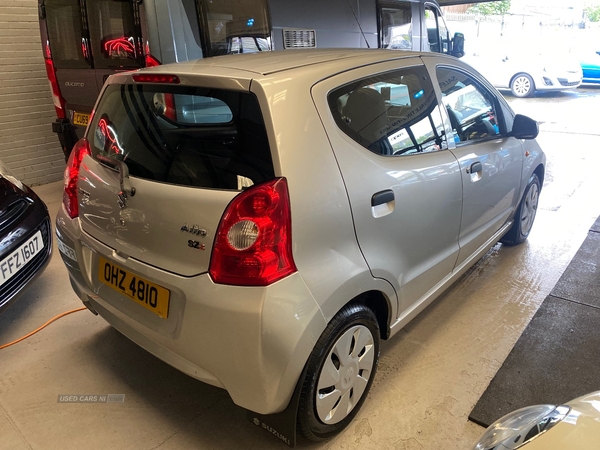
{"x": 430, "y": 375}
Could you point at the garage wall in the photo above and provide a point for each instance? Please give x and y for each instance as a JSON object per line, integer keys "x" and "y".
{"x": 27, "y": 144}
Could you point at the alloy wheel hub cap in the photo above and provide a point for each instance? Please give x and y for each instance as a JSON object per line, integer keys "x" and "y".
{"x": 345, "y": 374}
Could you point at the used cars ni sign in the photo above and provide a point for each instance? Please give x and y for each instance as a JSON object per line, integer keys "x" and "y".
{"x": 261, "y": 222}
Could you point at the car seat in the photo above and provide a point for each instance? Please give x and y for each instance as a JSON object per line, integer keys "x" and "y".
{"x": 365, "y": 113}
{"x": 455, "y": 118}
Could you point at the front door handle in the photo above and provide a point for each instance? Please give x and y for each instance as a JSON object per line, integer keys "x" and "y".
{"x": 382, "y": 197}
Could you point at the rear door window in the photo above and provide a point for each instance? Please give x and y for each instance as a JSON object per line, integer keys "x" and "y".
{"x": 184, "y": 135}
{"x": 391, "y": 114}
{"x": 114, "y": 34}
{"x": 66, "y": 34}
{"x": 108, "y": 38}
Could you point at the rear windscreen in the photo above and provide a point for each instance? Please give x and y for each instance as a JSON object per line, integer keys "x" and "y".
{"x": 113, "y": 34}
{"x": 63, "y": 20}
{"x": 189, "y": 136}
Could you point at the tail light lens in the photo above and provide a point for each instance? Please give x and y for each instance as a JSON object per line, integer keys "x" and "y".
{"x": 59, "y": 102}
{"x": 70, "y": 202}
{"x": 151, "y": 61}
{"x": 253, "y": 246}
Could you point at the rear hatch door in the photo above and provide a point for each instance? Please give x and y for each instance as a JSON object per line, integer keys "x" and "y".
{"x": 187, "y": 152}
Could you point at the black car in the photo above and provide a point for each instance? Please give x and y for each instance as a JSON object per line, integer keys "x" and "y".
{"x": 25, "y": 237}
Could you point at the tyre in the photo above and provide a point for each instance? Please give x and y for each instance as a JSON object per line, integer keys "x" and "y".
{"x": 525, "y": 214}
{"x": 340, "y": 371}
{"x": 522, "y": 86}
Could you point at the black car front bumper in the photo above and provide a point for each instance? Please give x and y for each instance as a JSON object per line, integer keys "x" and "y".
{"x": 22, "y": 215}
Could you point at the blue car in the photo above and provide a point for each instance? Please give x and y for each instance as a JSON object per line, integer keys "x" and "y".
{"x": 591, "y": 68}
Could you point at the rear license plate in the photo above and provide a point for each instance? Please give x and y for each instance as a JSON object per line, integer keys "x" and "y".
{"x": 150, "y": 295}
{"x": 14, "y": 262}
{"x": 81, "y": 119}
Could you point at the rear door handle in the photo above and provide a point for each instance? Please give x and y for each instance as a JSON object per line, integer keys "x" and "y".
{"x": 382, "y": 197}
{"x": 475, "y": 167}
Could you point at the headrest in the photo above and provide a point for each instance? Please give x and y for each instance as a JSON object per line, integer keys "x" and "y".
{"x": 365, "y": 112}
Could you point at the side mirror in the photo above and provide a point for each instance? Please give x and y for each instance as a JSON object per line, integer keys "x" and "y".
{"x": 524, "y": 128}
{"x": 458, "y": 45}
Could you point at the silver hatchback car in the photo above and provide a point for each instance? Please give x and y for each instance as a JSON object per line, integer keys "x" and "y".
{"x": 261, "y": 222}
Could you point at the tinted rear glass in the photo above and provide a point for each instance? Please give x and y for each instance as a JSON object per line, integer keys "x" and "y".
{"x": 113, "y": 34}
{"x": 63, "y": 20}
{"x": 391, "y": 114}
{"x": 232, "y": 26}
{"x": 183, "y": 135}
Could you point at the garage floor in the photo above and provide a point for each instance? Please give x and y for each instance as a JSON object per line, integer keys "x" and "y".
{"x": 430, "y": 375}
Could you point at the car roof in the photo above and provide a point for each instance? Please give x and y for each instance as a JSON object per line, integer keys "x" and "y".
{"x": 306, "y": 67}
{"x": 268, "y": 63}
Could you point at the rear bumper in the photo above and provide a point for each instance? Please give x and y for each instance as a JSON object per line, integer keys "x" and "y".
{"x": 251, "y": 341}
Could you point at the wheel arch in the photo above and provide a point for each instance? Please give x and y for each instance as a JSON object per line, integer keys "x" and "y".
{"x": 540, "y": 171}
{"x": 522, "y": 73}
{"x": 377, "y": 302}
{"x": 534, "y": 87}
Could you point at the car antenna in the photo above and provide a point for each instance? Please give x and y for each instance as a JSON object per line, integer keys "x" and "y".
{"x": 358, "y": 22}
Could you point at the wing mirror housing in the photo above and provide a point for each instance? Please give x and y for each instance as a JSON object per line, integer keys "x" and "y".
{"x": 524, "y": 127}
{"x": 458, "y": 45}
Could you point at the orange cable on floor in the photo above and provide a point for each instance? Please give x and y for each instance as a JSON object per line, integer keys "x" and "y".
{"x": 42, "y": 327}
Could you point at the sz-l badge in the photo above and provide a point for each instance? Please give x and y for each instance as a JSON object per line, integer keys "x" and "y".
{"x": 196, "y": 244}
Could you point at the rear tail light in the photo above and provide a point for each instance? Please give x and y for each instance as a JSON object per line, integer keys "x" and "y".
{"x": 59, "y": 102}
{"x": 253, "y": 246}
{"x": 151, "y": 61}
{"x": 70, "y": 202}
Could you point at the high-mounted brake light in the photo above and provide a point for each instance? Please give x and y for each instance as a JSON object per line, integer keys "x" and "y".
{"x": 70, "y": 202}
{"x": 253, "y": 246}
{"x": 155, "y": 78}
{"x": 57, "y": 99}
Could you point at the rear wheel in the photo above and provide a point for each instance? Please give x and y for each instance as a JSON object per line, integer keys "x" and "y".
{"x": 340, "y": 372}
{"x": 525, "y": 214}
{"x": 522, "y": 85}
